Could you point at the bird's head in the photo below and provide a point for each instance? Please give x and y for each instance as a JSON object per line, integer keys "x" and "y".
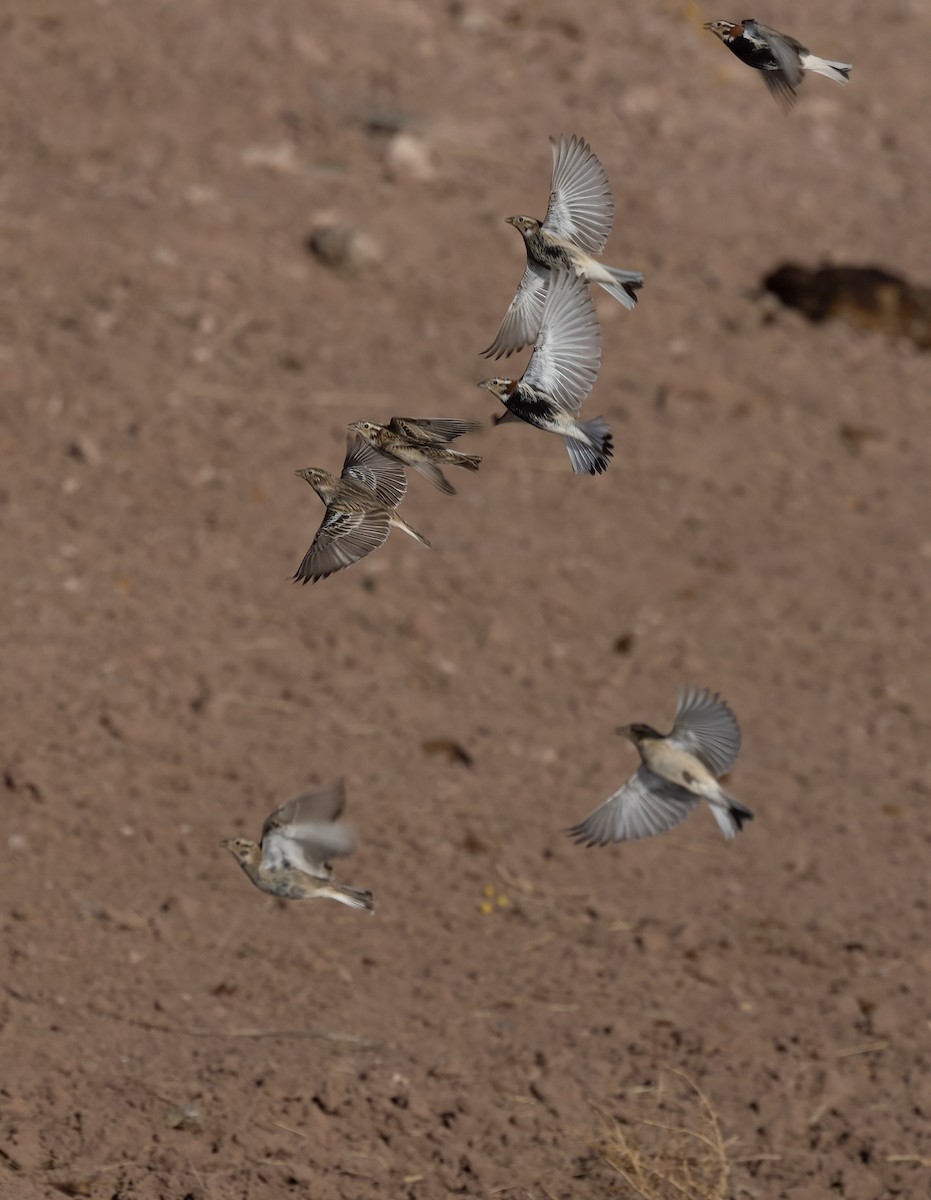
{"x": 366, "y": 429}
{"x": 241, "y": 848}
{"x": 315, "y": 477}
{"x": 524, "y": 225}
{"x": 725, "y": 30}
{"x": 498, "y": 386}
{"x": 637, "y": 733}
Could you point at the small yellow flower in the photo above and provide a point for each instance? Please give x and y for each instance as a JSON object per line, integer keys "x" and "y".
{"x": 486, "y": 908}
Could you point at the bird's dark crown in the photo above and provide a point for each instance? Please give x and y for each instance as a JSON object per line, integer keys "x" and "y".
{"x": 645, "y": 731}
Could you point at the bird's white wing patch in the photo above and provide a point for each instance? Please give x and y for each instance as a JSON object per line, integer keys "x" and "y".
{"x": 307, "y": 847}
{"x": 581, "y": 208}
{"x": 706, "y": 727}
{"x": 567, "y": 353}
{"x": 644, "y": 806}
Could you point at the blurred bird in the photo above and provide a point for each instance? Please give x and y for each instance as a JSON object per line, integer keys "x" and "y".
{"x": 576, "y": 227}
{"x": 297, "y": 842}
{"x": 422, "y": 444}
{"x": 783, "y": 60}
{"x": 360, "y": 510}
{"x": 561, "y": 372}
{"x": 677, "y": 770}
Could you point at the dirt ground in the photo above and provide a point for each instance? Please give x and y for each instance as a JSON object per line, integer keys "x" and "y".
{"x": 170, "y": 352}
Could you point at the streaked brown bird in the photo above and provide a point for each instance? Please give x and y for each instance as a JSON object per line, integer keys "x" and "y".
{"x": 360, "y": 510}
{"x": 576, "y": 227}
{"x": 298, "y": 840}
{"x": 781, "y": 58}
{"x": 677, "y": 770}
{"x": 421, "y": 444}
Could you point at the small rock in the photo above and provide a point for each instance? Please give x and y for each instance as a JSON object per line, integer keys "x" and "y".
{"x": 407, "y": 157}
{"x": 185, "y": 1117}
{"x": 344, "y": 248}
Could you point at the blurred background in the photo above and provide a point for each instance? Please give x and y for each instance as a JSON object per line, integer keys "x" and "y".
{"x": 180, "y": 329}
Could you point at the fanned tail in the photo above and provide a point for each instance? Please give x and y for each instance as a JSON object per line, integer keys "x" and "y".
{"x": 590, "y": 456}
{"x": 732, "y": 818}
{"x": 838, "y": 71}
{"x": 624, "y": 285}
{"x": 354, "y": 897}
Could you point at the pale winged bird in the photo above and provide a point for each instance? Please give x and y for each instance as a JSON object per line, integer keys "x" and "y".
{"x": 298, "y": 840}
{"x": 676, "y": 771}
{"x": 576, "y": 227}
{"x": 561, "y": 373}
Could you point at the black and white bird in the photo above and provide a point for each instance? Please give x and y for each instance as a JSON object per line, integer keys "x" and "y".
{"x": 576, "y": 227}
{"x": 781, "y": 58}
{"x": 298, "y": 840}
{"x": 676, "y": 771}
{"x": 561, "y": 373}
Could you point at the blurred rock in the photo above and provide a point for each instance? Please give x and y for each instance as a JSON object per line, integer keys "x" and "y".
{"x": 344, "y": 248}
{"x": 866, "y": 297}
{"x": 407, "y": 157}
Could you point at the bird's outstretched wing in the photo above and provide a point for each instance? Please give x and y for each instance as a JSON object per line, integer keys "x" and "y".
{"x": 305, "y": 834}
{"x": 786, "y": 51}
{"x": 567, "y": 353}
{"x": 342, "y": 539}
{"x": 644, "y": 806}
{"x": 581, "y": 208}
{"x": 706, "y": 727}
{"x": 381, "y": 475}
{"x": 435, "y": 430}
{"x": 522, "y": 320}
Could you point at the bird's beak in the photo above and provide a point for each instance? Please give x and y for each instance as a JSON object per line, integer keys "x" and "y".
{"x": 225, "y": 844}
{"x": 624, "y": 731}
{"x": 483, "y": 384}
{"x": 510, "y": 220}
{"x": 709, "y": 25}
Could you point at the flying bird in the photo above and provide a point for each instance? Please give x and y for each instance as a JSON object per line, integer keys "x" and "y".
{"x": 561, "y": 372}
{"x": 781, "y": 58}
{"x": 676, "y": 771}
{"x": 298, "y": 840}
{"x": 576, "y": 227}
{"x": 422, "y": 444}
{"x": 361, "y": 508}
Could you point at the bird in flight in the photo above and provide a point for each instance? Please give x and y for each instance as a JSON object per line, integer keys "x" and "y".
{"x": 676, "y": 771}
{"x": 422, "y": 444}
{"x": 781, "y": 58}
{"x": 576, "y": 227}
{"x": 560, "y": 374}
{"x": 361, "y": 509}
{"x": 298, "y": 840}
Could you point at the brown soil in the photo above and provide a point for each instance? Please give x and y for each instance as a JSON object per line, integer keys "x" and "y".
{"x": 170, "y": 352}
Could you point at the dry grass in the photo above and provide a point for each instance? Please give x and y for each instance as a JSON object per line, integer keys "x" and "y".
{"x": 675, "y": 1153}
